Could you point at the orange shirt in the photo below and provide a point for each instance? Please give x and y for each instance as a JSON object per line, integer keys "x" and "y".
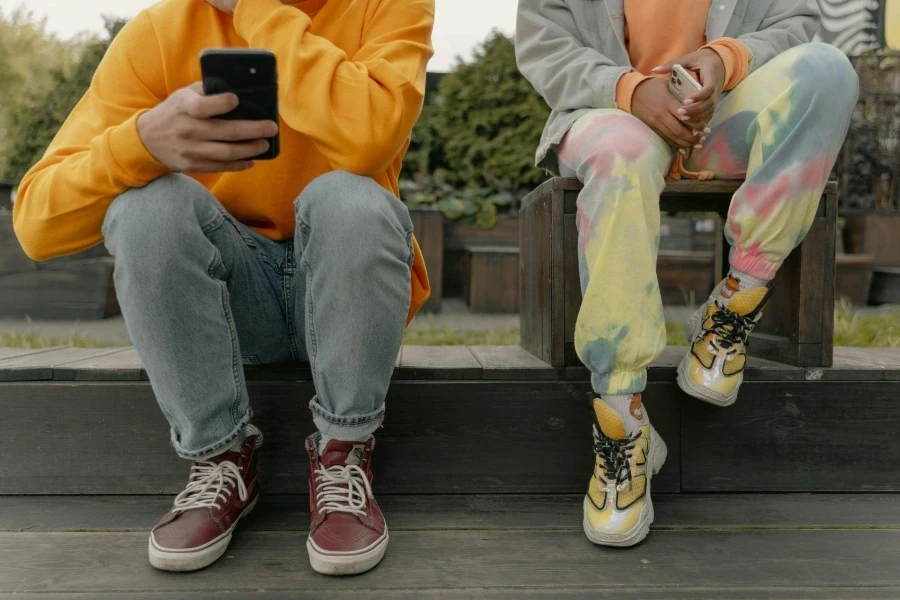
{"x": 351, "y": 85}
{"x": 657, "y": 31}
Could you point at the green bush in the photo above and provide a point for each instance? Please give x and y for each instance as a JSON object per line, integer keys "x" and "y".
{"x": 489, "y": 120}
{"x": 34, "y": 121}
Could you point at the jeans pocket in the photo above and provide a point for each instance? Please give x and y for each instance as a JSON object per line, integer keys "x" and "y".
{"x": 250, "y": 359}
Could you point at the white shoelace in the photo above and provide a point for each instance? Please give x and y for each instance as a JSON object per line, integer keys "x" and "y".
{"x": 342, "y": 489}
{"x": 210, "y": 484}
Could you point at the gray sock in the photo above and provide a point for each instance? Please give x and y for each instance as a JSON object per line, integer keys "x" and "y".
{"x": 632, "y": 418}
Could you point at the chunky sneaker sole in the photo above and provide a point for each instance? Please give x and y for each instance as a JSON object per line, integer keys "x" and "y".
{"x": 347, "y": 563}
{"x": 197, "y": 558}
{"x": 658, "y": 454}
{"x": 702, "y": 392}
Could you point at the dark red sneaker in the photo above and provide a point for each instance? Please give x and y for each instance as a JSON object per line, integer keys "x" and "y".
{"x": 220, "y": 491}
{"x": 347, "y": 532}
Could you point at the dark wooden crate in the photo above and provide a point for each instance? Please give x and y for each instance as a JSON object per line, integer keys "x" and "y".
{"x": 797, "y": 328}
{"x": 853, "y": 278}
{"x": 490, "y": 279}
{"x": 428, "y": 226}
{"x": 6, "y": 188}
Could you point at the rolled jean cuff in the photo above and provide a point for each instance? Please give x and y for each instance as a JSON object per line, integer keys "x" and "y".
{"x": 754, "y": 265}
{"x": 620, "y": 382}
{"x": 216, "y": 448}
{"x": 346, "y": 429}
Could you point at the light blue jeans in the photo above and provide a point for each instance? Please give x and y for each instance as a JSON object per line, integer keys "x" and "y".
{"x": 203, "y": 294}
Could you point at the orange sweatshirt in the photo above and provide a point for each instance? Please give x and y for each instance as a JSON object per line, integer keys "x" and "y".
{"x": 658, "y": 31}
{"x": 351, "y": 84}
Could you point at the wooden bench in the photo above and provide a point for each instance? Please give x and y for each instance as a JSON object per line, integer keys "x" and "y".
{"x": 797, "y": 327}
{"x": 490, "y": 279}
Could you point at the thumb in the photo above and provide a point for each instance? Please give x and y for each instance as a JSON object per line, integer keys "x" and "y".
{"x": 664, "y": 68}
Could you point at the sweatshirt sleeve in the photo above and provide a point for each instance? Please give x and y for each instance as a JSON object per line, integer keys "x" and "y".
{"x": 358, "y": 110}
{"x": 736, "y": 58}
{"x": 97, "y": 153}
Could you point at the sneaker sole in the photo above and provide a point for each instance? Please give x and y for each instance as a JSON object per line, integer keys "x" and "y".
{"x": 701, "y": 392}
{"x": 347, "y": 563}
{"x": 194, "y": 560}
{"x": 658, "y": 454}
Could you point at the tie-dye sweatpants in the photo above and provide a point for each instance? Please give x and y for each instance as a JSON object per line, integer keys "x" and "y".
{"x": 781, "y": 129}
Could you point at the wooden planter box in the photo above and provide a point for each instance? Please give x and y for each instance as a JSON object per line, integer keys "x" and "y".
{"x": 458, "y": 236}
{"x": 428, "y": 227}
{"x": 6, "y": 188}
{"x": 853, "y": 278}
{"x": 73, "y": 287}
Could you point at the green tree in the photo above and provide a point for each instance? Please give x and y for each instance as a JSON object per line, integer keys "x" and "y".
{"x": 28, "y": 57}
{"x": 490, "y": 119}
{"x": 34, "y": 121}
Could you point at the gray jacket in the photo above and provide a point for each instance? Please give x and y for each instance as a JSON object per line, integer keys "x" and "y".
{"x": 573, "y": 51}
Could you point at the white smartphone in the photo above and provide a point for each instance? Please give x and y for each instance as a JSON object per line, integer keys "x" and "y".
{"x": 682, "y": 84}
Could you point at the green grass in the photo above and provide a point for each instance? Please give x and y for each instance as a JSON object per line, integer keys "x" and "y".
{"x": 852, "y": 327}
{"x": 33, "y": 340}
{"x": 871, "y": 329}
{"x": 444, "y": 336}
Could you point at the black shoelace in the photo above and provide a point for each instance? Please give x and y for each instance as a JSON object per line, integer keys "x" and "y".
{"x": 730, "y": 328}
{"x": 616, "y": 455}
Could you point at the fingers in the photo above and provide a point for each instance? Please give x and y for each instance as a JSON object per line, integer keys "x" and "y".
{"x": 677, "y": 134}
{"x": 695, "y": 110}
{"x": 220, "y": 130}
{"x": 225, "y": 152}
{"x": 664, "y": 68}
{"x": 193, "y": 103}
{"x": 219, "y": 167}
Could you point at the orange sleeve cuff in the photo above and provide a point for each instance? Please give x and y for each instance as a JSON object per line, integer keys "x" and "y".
{"x": 137, "y": 165}
{"x": 625, "y": 89}
{"x": 736, "y": 58}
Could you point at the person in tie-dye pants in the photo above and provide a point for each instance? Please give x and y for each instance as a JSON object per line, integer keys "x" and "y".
{"x": 781, "y": 129}
{"x": 773, "y": 110}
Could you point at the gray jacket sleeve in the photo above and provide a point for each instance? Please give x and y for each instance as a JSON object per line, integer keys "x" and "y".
{"x": 786, "y": 24}
{"x": 552, "y": 56}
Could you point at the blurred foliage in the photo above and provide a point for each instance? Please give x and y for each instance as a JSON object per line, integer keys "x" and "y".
{"x": 472, "y": 152}
{"x": 28, "y": 57}
{"x": 33, "y": 121}
{"x": 479, "y": 205}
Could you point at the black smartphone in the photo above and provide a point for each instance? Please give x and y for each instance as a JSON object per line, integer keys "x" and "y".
{"x": 253, "y": 77}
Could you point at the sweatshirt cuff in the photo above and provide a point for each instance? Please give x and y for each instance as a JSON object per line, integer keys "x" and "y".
{"x": 625, "y": 89}
{"x": 131, "y": 156}
{"x": 735, "y": 56}
{"x": 249, "y": 15}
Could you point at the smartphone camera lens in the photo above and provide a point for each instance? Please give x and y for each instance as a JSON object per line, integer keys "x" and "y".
{"x": 253, "y": 70}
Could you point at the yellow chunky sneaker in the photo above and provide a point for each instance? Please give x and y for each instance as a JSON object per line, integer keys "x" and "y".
{"x": 713, "y": 370}
{"x": 617, "y": 508}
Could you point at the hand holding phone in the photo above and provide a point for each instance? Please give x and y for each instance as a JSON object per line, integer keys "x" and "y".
{"x": 251, "y": 75}
{"x": 183, "y": 134}
{"x": 682, "y": 84}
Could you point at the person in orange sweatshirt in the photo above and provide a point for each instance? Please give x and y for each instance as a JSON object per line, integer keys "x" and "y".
{"x": 773, "y": 110}
{"x": 220, "y": 262}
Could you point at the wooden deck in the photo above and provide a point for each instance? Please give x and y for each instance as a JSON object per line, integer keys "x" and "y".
{"x": 480, "y": 470}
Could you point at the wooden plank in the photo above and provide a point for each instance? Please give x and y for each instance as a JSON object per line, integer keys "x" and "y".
{"x": 468, "y": 561}
{"x": 121, "y": 365}
{"x": 458, "y": 234}
{"x": 503, "y": 436}
{"x": 571, "y": 277}
{"x": 21, "y": 352}
{"x": 280, "y": 512}
{"x": 493, "y": 280}
{"x": 69, "y": 290}
{"x": 635, "y": 592}
{"x": 40, "y": 365}
{"x": 438, "y": 362}
{"x": 794, "y": 436}
{"x": 512, "y": 362}
{"x": 428, "y": 226}
{"x": 557, "y": 312}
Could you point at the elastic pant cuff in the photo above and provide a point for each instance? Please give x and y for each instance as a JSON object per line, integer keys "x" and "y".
{"x": 754, "y": 264}
{"x": 620, "y": 382}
